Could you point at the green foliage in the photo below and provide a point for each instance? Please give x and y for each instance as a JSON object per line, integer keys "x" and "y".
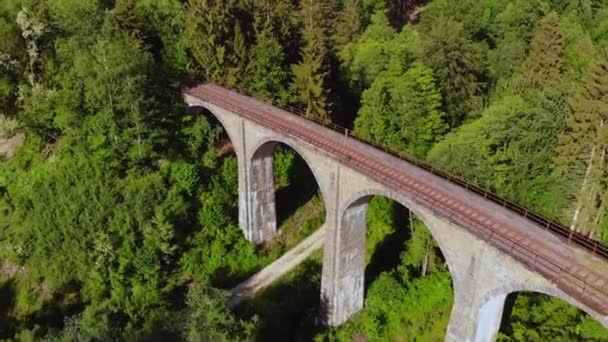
{"x": 283, "y": 162}
{"x": 378, "y": 47}
{"x": 580, "y": 157}
{"x": 308, "y": 79}
{"x": 509, "y": 150}
{"x": 120, "y": 215}
{"x": 459, "y": 65}
{"x": 537, "y": 317}
{"x": 266, "y": 75}
{"x": 422, "y": 255}
{"x": 12, "y": 50}
{"x": 544, "y": 64}
{"x": 380, "y": 223}
{"x": 209, "y": 319}
{"x": 416, "y": 310}
{"x": 210, "y": 35}
{"x": 309, "y": 75}
{"x": 349, "y": 22}
{"x": 402, "y": 110}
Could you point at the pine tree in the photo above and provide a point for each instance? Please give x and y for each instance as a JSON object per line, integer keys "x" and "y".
{"x": 310, "y": 74}
{"x": 239, "y": 57}
{"x": 265, "y": 74}
{"x": 581, "y": 154}
{"x": 544, "y": 64}
{"x": 308, "y": 84}
{"x": 348, "y": 24}
{"x": 459, "y": 66}
{"x": 209, "y": 35}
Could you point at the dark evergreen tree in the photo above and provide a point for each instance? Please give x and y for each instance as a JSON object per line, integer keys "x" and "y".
{"x": 348, "y": 23}
{"x": 544, "y": 64}
{"x": 210, "y": 37}
{"x": 309, "y": 75}
{"x": 459, "y": 65}
{"x": 265, "y": 73}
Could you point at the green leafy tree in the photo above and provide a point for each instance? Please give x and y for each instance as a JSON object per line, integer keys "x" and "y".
{"x": 511, "y": 27}
{"x": 209, "y": 319}
{"x": 537, "y": 317}
{"x": 403, "y": 111}
{"x": 12, "y": 51}
{"x": 364, "y": 59}
{"x": 509, "y": 150}
{"x": 469, "y": 13}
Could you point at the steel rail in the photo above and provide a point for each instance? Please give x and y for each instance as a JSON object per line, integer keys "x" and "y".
{"x": 563, "y": 277}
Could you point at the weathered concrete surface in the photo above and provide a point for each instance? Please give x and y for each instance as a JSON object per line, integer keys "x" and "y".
{"x": 485, "y": 264}
{"x": 261, "y": 194}
{"x": 250, "y": 287}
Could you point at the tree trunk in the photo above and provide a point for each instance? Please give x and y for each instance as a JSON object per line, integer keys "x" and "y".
{"x": 579, "y": 204}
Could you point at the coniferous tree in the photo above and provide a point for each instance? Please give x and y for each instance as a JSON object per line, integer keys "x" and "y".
{"x": 459, "y": 65}
{"x": 239, "y": 57}
{"x": 581, "y": 154}
{"x": 545, "y": 59}
{"x": 349, "y": 22}
{"x": 309, "y": 76}
{"x": 266, "y": 76}
{"x": 209, "y": 35}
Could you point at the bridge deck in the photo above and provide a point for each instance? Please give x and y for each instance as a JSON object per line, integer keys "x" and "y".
{"x": 575, "y": 270}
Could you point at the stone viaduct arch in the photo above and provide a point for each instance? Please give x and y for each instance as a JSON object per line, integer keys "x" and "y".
{"x": 482, "y": 273}
{"x": 493, "y": 301}
{"x": 254, "y": 146}
{"x": 261, "y": 184}
{"x": 351, "y": 244}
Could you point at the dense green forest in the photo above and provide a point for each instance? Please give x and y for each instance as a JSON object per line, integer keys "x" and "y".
{"x": 118, "y": 206}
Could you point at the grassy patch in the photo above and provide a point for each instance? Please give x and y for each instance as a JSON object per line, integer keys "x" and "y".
{"x": 288, "y": 310}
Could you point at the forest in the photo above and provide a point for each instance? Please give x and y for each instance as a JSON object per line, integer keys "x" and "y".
{"x": 119, "y": 206}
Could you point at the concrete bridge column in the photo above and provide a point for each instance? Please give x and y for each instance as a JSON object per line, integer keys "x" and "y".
{"x": 343, "y": 282}
{"x": 260, "y": 196}
{"x": 475, "y": 321}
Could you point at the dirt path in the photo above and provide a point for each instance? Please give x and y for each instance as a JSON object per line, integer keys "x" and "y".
{"x": 9, "y": 146}
{"x": 277, "y": 269}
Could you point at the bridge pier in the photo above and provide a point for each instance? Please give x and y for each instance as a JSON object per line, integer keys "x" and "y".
{"x": 260, "y": 195}
{"x": 472, "y": 321}
{"x": 343, "y": 280}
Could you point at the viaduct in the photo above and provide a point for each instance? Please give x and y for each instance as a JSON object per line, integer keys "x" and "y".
{"x": 492, "y": 247}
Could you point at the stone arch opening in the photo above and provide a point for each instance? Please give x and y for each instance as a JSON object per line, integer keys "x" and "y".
{"x": 285, "y": 196}
{"x": 419, "y": 266}
{"x": 225, "y": 139}
{"x": 286, "y": 185}
{"x": 543, "y": 314}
